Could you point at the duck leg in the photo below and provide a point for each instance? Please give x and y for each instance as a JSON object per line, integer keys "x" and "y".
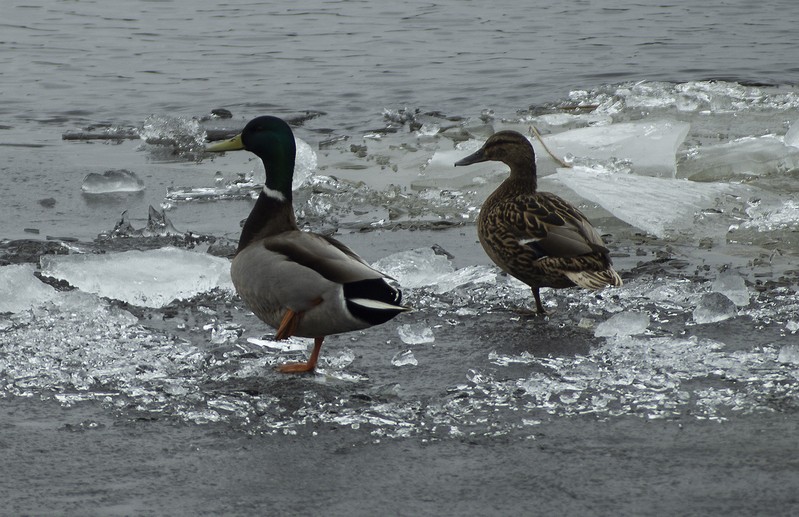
{"x": 308, "y": 366}
{"x": 538, "y": 305}
{"x": 288, "y": 325}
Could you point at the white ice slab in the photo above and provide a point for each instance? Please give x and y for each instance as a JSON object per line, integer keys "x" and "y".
{"x": 20, "y": 290}
{"x": 146, "y": 278}
{"x": 655, "y": 205}
{"x": 651, "y": 146}
{"x": 750, "y": 156}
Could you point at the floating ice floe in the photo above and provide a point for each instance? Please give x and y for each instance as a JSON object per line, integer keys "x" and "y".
{"x": 145, "y": 278}
{"x": 655, "y": 205}
{"x": 20, "y": 290}
{"x": 116, "y": 181}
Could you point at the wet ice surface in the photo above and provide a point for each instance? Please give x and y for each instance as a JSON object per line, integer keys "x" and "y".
{"x": 465, "y": 363}
{"x": 704, "y": 327}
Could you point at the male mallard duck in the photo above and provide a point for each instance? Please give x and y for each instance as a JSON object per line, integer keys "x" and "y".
{"x": 301, "y": 283}
{"x": 537, "y": 237}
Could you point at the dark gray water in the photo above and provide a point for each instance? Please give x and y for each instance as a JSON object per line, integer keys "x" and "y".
{"x": 68, "y": 62}
{"x": 682, "y": 122}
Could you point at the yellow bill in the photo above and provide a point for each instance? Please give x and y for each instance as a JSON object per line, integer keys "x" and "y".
{"x": 234, "y": 144}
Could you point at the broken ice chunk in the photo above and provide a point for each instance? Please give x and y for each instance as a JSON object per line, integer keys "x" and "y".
{"x": 405, "y": 358}
{"x": 112, "y": 182}
{"x": 415, "y": 334}
{"x": 789, "y": 354}
{"x": 425, "y": 267}
{"x": 21, "y": 290}
{"x": 732, "y": 286}
{"x": 415, "y": 268}
{"x": 651, "y": 146}
{"x": 623, "y": 324}
{"x": 770, "y": 215}
{"x": 714, "y": 307}
{"x": 146, "y": 278}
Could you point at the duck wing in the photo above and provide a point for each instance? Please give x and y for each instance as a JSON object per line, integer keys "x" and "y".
{"x": 546, "y": 226}
{"x": 324, "y": 255}
{"x": 366, "y": 292}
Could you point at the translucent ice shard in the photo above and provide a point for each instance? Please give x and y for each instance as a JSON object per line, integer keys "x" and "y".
{"x": 415, "y": 334}
{"x": 405, "y": 358}
{"x": 623, "y": 324}
{"x": 714, "y": 307}
{"x": 145, "y": 278}
{"x": 20, "y": 290}
{"x": 424, "y": 267}
{"x": 416, "y": 268}
{"x": 171, "y": 137}
{"x": 732, "y": 286}
{"x": 651, "y": 146}
{"x": 112, "y": 182}
{"x": 792, "y": 135}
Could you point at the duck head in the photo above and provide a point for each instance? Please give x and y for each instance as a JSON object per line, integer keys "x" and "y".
{"x": 272, "y": 140}
{"x": 509, "y": 147}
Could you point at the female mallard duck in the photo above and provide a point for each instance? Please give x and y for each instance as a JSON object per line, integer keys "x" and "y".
{"x": 537, "y": 237}
{"x": 301, "y": 283}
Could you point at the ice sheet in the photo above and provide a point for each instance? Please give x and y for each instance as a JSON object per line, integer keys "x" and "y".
{"x": 145, "y": 278}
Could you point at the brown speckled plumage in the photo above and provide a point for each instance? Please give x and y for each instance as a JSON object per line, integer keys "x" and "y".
{"x": 534, "y": 236}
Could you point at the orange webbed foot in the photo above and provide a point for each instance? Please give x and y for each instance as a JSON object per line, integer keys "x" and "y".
{"x": 307, "y": 366}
